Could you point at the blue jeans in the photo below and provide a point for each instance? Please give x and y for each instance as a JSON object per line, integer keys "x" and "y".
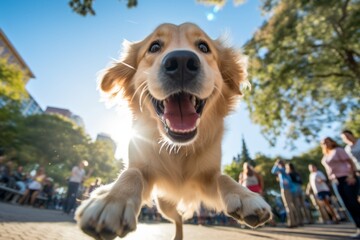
{"x": 71, "y": 194}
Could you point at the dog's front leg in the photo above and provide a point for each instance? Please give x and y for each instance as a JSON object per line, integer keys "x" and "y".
{"x": 242, "y": 204}
{"x": 113, "y": 209}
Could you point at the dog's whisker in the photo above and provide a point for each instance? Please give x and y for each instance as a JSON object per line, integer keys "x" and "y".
{"x": 142, "y": 85}
{"x": 217, "y": 89}
{"x": 129, "y": 66}
{"x": 178, "y": 149}
{"x": 145, "y": 88}
{"x": 146, "y": 96}
{"x": 172, "y": 148}
{"x": 163, "y": 143}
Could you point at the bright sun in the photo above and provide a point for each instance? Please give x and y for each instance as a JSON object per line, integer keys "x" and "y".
{"x": 121, "y": 131}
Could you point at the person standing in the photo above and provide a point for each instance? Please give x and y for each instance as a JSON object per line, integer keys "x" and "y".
{"x": 352, "y": 148}
{"x": 251, "y": 179}
{"x": 341, "y": 169}
{"x": 303, "y": 211}
{"x": 352, "y": 144}
{"x": 287, "y": 190}
{"x": 77, "y": 177}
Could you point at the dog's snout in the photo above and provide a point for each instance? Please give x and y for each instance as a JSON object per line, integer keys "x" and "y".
{"x": 181, "y": 65}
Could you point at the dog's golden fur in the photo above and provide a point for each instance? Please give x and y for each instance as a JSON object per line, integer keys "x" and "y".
{"x": 180, "y": 169}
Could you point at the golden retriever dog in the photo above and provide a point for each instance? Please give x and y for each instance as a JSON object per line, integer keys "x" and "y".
{"x": 179, "y": 85}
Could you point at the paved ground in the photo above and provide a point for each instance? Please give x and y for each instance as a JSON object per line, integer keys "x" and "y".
{"x": 23, "y": 223}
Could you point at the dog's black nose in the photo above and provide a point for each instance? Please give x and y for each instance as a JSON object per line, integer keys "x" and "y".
{"x": 181, "y": 65}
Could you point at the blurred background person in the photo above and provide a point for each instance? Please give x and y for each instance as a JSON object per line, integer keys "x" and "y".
{"x": 303, "y": 211}
{"x": 94, "y": 185}
{"x": 340, "y": 168}
{"x": 35, "y": 186}
{"x": 352, "y": 148}
{"x": 251, "y": 179}
{"x": 321, "y": 190}
{"x": 287, "y": 189}
{"x": 5, "y": 174}
{"x": 76, "y": 178}
{"x": 20, "y": 179}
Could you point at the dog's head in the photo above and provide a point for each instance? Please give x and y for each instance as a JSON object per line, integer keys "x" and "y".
{"x": 179, "y": 75}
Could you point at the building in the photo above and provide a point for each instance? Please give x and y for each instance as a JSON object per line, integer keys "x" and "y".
{"x": 30, "y": 107}
{"x": 66, "y": 113}
{"x": 106, "y": 138}
{"x": 8, "y": 51}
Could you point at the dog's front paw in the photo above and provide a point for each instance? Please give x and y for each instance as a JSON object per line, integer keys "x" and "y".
{"x": 251, "y": 209}
{"x": 105, "y": 217}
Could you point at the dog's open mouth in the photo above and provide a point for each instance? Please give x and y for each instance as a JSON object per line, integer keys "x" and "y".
{"x": 180, "y": 114}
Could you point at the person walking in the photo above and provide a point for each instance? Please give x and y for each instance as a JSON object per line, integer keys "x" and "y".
{"x": 287, "y": 190}
{"x": 341, "y": 169}
{"x": 321, "y": 190}
{"x": 77, "y": 177}
{"x": 251, "y": 179}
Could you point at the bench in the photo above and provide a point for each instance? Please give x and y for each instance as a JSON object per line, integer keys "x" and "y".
{"x": 11, "y": 194}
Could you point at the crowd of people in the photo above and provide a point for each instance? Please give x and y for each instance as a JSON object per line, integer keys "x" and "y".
{"x": 28, "y": 187}
{"x": 37, "y": 189}
{"x": 339, "y": 187}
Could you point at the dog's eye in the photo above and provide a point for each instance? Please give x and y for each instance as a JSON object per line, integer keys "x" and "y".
{"x": 204, "y": 47}
{"x": 155, "y": 47}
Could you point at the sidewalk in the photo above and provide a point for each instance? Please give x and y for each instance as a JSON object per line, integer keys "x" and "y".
{"x": 24, "y": 223}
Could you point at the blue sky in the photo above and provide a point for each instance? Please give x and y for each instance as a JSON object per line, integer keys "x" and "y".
{"x": 66, "y": 51}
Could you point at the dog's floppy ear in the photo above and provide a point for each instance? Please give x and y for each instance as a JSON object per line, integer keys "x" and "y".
{"x": 233, "y": 68}
{"x": 118, "y": 77}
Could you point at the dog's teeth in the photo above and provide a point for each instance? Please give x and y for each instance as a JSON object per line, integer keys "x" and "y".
{"x": 197, "y": 122}
{"x": 167, "y": 121}
{"x": 193, "y": 100}
{"x": 164, "y": 103}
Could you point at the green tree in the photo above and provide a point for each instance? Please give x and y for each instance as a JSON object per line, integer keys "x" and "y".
{"x": 102, "y": 160}
{"x": 58, "y": 144}
{"x": 85, "y": 7}
{"x": 12, "y": 85}
{"x": 244, "y": 156}
{"x": 353, "y": 123}
{"x": 304, "y": 67}
{"x": 11, "y": 125}
{"x": 233, "y": 170}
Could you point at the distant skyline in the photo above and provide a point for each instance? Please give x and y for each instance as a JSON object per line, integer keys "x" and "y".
{"x": 66, "y": 51}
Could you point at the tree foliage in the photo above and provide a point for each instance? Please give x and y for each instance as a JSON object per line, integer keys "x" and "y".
{"x": 244, "y": 156}
{"x": 236, "y": 166}
{"x": 85, "y": 7}
{"x": 304, "y": 66}
{"x": 57, "y": 144}
{"x": 12, "y": 84}
{"x": 51, "y": 141}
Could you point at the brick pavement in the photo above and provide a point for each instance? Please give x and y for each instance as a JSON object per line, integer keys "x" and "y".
{"x": 23, "y": 223}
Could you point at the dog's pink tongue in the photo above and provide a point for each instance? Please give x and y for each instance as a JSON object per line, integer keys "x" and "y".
{"x": 180, "y": 112}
